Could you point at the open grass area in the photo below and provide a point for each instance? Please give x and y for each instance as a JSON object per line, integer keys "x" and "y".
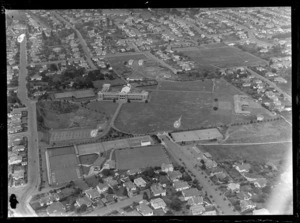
{"x": 88, "y": 159}
{"x": 108, "y": 108}
{"x": 257, "y": 153}
{"x": 75, "y": 117}
{"x": 141, "y": 157}
{"x": 223, "y": 57}
{"x": 196, "y": 109}
{"x": 116, "y": 82}
{"x": 200, "y": 86}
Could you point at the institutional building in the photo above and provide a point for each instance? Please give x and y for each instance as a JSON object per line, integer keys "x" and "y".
{"x": 123, "y": 95}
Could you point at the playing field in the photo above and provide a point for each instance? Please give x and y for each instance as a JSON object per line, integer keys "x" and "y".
{"x": 223, "y": 57}
{"x": 63, "y": 165}
{"x": 141, "y": 157}
{"x": 67, "y": 135}
{"x": 104, "y": 107}
{"x": 259, "y": 153}
{"x": 201, "y": 86}
{"x": 196, "y": 109}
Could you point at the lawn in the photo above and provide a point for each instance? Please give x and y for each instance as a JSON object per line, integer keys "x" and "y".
{"x": 196, "y": 108}
{"x": 141, "y": 157}
{"x": 205, "y": 86}
{"x": 116, "y": 82}
{"x": 88, "y": 159}
{"x": 257, "y": 153}
{"x": 223, "y": 57}
{"x": 107, "y": 108}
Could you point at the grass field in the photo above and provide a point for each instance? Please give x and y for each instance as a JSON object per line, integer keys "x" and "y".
{"x": 99, "y": 83}
{"x": 140, "y": 157}
{"x": 61, "y": 151}
{"x": 196, "y": 109}
{"x": 80, "y": 117}
{"x": 200, "y": 86}
{"x": 104, "y": 107}
{"x": 259, "y": 153}
{"x": 223, "y": 57}
{"x": 64, "y": 135}
{"x": 88, "y": 159}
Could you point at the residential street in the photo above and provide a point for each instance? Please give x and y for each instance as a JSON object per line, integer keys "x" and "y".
{"x": 116, "y": 206}
{"x": 176, "y": 151}
{"x": 23, "y": 194}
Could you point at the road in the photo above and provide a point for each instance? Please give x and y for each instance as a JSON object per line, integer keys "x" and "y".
{"x": 272, "y": 84}
{"x": 243, "y": 144}
{"x": 176, "y": 152}
{"x": 23, "y": 194}
{"x": 85, "y": 47}
{"x": 116, "y": 206}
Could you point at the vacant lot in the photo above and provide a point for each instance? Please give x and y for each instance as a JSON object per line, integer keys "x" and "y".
{"x": 103, "y": 107}
{"x": 88, "y": 159}
{"x": 259, "y": 153}
{"x": 76, "y": 116}
{"x": 261, "y": 132}
{"x": 196, "y": 109}
{"x": 223, "y": 57}
{"x": 141, "y": 157}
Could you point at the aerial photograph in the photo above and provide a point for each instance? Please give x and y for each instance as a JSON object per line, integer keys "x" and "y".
{"x": 149, "y": 112}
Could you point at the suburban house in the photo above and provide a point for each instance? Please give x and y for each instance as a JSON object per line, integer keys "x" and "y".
{"x": 92, "y": 193}
{"x": 210, "y": 213}
{"x": 234, "y": 187}
{"x": 144, "y": 209}
{"x": 102, "y": 187}
{"x": 140, "y": 182}
{"x": 134, "y": 171}
{"x": 110, "y": 181}
{"x": 167, "y": 167}
{"x": 260, "y": 182}
{"x": 261, "y": 211}
{"x": 158, "y": 203}
{"x": 197, "y": 209}
{"x": 243, "y": 168}
{"x": 130, "y": 187}
{"x": 157, "y": 190}
{"x": 244, "y": 196}
{"x": 210, "y": 163}
{"x": 189, "y": 193}
{"x": 246, "y": 205}
{"x": 174, "y": 175}
{"x": 15, "y": 159}
{"x": 181, "y": 185}
{"x": 49, "y": 199}
{"x": 83, "y": 200}
{"x": 195, "y": 200}
{"x": 56, "y": 209}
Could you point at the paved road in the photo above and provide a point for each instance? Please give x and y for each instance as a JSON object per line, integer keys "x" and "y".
{"x": 242, "y": 144}
{"x": 23, "y": 194}
{"x": 116, "y": 206}
{"x": 176, "y": 151}
{"x": 85, "y": 47}
{"x": 271, "y": 84}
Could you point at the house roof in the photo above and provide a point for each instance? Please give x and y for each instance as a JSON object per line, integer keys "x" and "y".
{"x": 180, "y": 184}
{"x": 56, "y": 208}
{"x": 262, "y": 211}
{"x": 129, "y": 185}
{"x": 92, "y": 193}
{"x": 133, "y": 171}
{"x": 157, "y": 189}
{"x": 139, "y": 181}
{"x": 195, "y": 200}
{"x": 83, "y": 200}
{"x": 158, "y": 202}
{"x": 174, "y": 174}
{"x": 191, "y": 192}
{"x": 233, "y": 186}
{"x": 244, "y": 167}
{"x": 262, "y": 182}
{"x": 102, "y": 186}
{"x": 197, "y": 208}
{"x": 144, "y": 209}
{"x": 164, "y": 166}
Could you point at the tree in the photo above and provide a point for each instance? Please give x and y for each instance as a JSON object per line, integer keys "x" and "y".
{"x": 145, "y": 196}
{"x": 176, "y": 205}
{"x": 110, "y": 191}
{"x": 169, "y": 213}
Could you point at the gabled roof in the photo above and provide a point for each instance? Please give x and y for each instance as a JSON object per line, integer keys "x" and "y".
{"x": 191, "y": 192}
{"x": 84, "y": 200}
{"x": 56, "y": 208}
{"x": 92, "y": 193}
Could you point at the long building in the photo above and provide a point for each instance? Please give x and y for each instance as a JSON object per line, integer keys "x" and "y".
{"x": 75, "y": 95}
{"x": 123, "y": 95}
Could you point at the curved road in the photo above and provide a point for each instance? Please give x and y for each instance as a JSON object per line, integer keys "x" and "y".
{"x": 23, "y": 194}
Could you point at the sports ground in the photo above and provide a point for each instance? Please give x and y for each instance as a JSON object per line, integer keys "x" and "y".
{"x": 223, "y": 57}
{"x": 141, "y": 157}
{"x": 62, "y": 165}
{"x": 195, "y": 107}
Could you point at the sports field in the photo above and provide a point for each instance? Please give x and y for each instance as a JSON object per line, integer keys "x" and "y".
{"x": 66, "y": 135}
{"x": 141, "y": 157}
{"x": 88, "y": 159}
{"x": 223, "y": 57}
{"x": 201, "y": 86}
{"x": 63, "y": 165}
{"x": 103, "y": 107}
{"x": 196, "y": 109}
{"x": 259, "y": 153}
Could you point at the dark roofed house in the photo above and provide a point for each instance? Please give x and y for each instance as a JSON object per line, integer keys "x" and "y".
{"x": 83, "y": 200}
{"x": 56, "y": 209}
{"x": 174, "y": 175}
{"x": 92, "y": 193}
{"x": 189, "y": 193}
